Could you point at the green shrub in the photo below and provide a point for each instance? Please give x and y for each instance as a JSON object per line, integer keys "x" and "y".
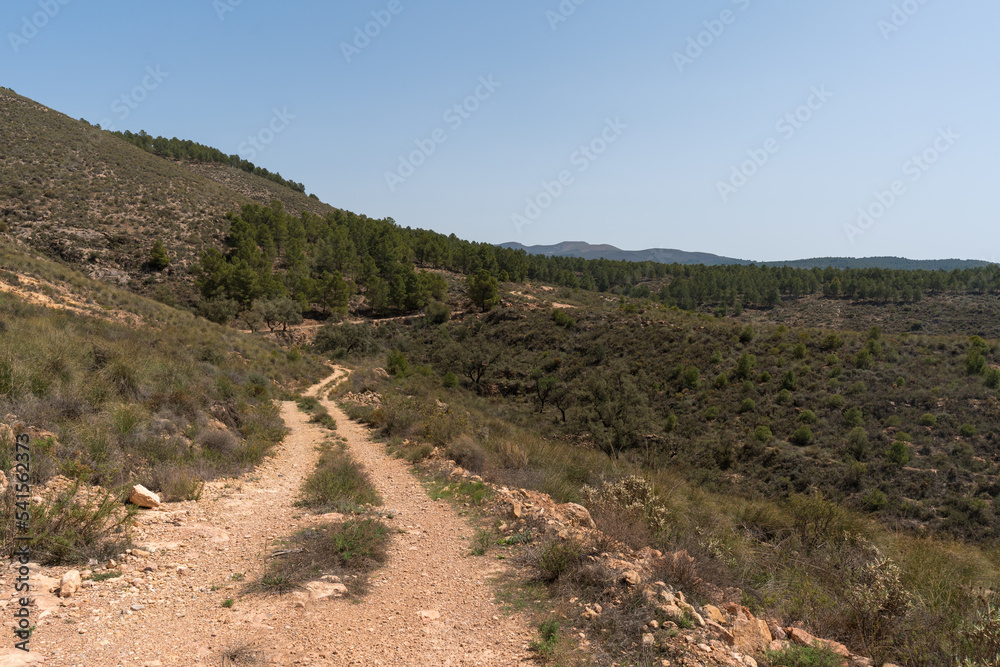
{"x": 437, "y": 312}
{"x": 745, "y": 366}
{"x": 396, "y": 363}
{"x": 874, "y": 500}
{"x": 863, "y": 360}
{"x": 67, "y": 531}
{"x": 857, "y": 388}
{"x": 721, "y": 381}
{"x": 857, "y": 443}
{"x": 898, "y": 453}
{"x": 967, "y": 430}
{"x": 831, "y": 342}
{"x": 808, "y": 417}
{"x": 803, "y": 436}
{"x": 763, "y": 434}
{"x": 928, "y": 419}
{"x": 854, "y": 417}
{"x": 748, "y": 405}
{"x": 671, "y": 423}
{"x": 690, "y": 378}
{"x": 450, "y": 380}
{"x": 975, "y": 362}
{"x": 360, "y": 543}
{"x": 339, "y": 482}
{"x": 764, "y": 377}
{"x": 562, "y": 319}
{"x": 548, "y": 639}
{"x": 784, "y": 397}
{"x": 556, "y": 558}
{"x": 712, "y": 413}
{"x": 789, "y": 381}
{"x": 992, "y": 379}
{"x": 803, "y": 656}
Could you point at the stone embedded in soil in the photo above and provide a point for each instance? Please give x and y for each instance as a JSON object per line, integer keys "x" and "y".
{"x": 69, "y": 583}
{"x": 143, "y": 497}
{"x": 321, "y": 590}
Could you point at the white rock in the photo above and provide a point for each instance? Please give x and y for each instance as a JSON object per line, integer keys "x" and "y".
{"x": 143, "y": 497}
{"x": 321, "y": 590}
{"x": 69, "y": 584}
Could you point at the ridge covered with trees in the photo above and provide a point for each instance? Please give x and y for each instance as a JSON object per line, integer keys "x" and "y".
{"x": 185, "y": 149}
{"x": 320, "y": 262}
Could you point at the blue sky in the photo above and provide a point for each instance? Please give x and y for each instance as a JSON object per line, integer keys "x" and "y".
{"x": 745, "y": 128}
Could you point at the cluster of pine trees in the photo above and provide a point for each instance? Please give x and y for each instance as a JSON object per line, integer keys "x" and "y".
{"x": 185, "y": 149}
{"x": 321, "y": 262}
{"x": 316, "y": 263}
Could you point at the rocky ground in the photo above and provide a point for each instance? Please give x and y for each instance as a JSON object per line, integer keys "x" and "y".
{"x": 432, "y": 604}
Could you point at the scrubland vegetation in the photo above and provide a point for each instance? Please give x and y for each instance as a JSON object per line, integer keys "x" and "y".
{"x": 852, "y": 494}
{"x": 167, "y": 404}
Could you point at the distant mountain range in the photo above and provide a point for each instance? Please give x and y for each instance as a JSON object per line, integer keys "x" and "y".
{"x": 671, "y": 256}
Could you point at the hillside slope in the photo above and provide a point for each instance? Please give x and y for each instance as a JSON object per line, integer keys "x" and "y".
{"x": 80, "y": 194}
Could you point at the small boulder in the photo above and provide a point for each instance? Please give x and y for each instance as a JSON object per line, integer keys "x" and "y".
{"x": 632, "y": 578}
{"x": 428, "y": 615}
{"x": 577, "y": 514}
{"x": 143, "y": 497}
{"x": 713, "y": 613}
{"x": 751, "y": 635}
{"x": 69, "y": 583}
{"x": 671, "y": 611}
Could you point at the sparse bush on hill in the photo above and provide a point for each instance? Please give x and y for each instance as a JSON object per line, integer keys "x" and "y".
{"x": 132, "y": 405}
